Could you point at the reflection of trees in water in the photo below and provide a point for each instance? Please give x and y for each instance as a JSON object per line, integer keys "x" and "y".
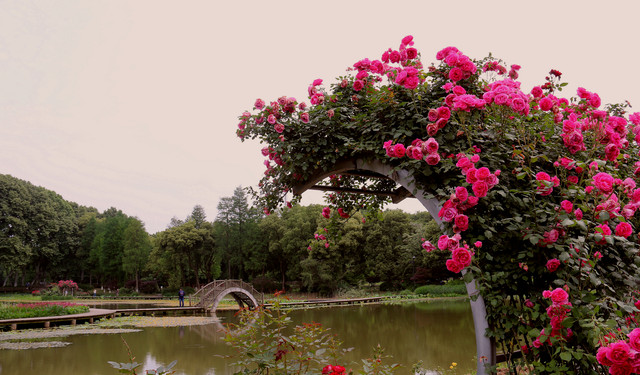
{"x": 438, "y": 333}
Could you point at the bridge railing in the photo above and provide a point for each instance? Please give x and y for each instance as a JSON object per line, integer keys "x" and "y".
{"x": 208, "y": 292}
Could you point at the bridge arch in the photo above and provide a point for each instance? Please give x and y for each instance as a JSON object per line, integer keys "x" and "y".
{"x": 210, "y": 295}
{"x": 485, "y": 348}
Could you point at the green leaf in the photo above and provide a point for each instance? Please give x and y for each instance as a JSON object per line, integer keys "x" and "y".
{"x": 565, "y": 356}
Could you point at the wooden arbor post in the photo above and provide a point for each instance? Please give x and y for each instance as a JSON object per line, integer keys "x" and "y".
{"x": 485, "y": 348}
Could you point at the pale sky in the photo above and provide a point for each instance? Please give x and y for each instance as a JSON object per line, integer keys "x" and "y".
{"x": 134, "y": 104}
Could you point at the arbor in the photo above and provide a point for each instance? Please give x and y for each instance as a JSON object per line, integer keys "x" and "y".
{"x": 537, "y": 193}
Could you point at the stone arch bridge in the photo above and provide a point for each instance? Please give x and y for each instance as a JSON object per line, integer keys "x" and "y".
{"x": 210, "y": 295}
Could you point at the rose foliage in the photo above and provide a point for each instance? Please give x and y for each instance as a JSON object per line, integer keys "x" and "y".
{"x": 538, "y": 193}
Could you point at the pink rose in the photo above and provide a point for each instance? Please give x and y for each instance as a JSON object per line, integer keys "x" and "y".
{"x": 399, "y": 150}
{"x": 546, "y": 104}
{"x": 454, "y": 266}
{"x": 623, "y": 229}
{"x": 430, "y": 146}
{"x": 456, "y": 74}
{"x": 461, "y": 193}
{"x": 259, "y": 104}
{"x": 443, "y": 242}
{"x": 553, "y": 264}
{"x": 304, "y": 117}
{"x": 444, "y": 112}
{"x": 271, "y": 119}
{"x": 604, "y": 182}
{"x": 462, "y": 222}
{"x": 480, "y": 189}
{"x": 604, "y": 230}
{"x": 478, "y": 244}
{"x": 461, "y": 256}
{"x": 536, "y": 92}
{"x": 482, "y": 173}
{"x": 428, "y": 246}
{"x": 601, "y": 356}
{"x": 448, "y": 213}
{"x": 559, "y": 296}
{"x": 618, "y": 352}
{"x": 567, "y": 206}
{"x": 634, "y": 339}
{"x": 432, "y": 159}
{"x": 578, "y": 213}
{"x": 358, "y": 85}
{"x": 279, "y": 127}
{"x": 326, "y": 212}
{"x": 330, "y": 113}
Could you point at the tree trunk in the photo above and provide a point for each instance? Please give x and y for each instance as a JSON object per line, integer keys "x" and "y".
{"x": 137, "y": 282}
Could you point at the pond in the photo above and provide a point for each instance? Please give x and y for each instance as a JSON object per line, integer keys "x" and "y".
{"x": 436, "y": 333}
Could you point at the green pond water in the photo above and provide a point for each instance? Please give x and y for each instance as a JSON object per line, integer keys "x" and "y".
{"x": 436, "y": 333}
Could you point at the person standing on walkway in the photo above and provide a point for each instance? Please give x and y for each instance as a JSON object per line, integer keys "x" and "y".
{"x": 181, "y": 297}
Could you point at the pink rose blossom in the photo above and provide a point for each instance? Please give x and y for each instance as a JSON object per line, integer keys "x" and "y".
{"x": 358, "y": 85}
{"x": 578, "y": 214}
{"x": 566, "y": 206}
{"x": 624, "y": 229}
{"x": 604, "y": 182}
{"x": 559, "y": 296}
{"x": 454, "y": 266}
{"x": 259, "y": 104}
{"x": 461, "y": 256}
{"x": 304, "y": 117}
{"x": 480, "y": 189}
{"x": 461, "y": 193}
{"x": 462, "y": 222}
{"x": 326, "y": 212}
{"x": 432, "y": 159}
{"x": 553, "y": 264}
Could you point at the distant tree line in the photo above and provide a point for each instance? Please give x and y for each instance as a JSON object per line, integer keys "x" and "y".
{"x": 44, "y": 238}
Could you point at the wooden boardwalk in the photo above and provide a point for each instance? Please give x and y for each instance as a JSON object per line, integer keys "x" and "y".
{"x": 97, "y": 314}
{"x": 328, "y": 302}
{"x": 94, "y": 315}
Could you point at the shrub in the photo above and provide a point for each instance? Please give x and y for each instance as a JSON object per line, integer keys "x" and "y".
{"x": 441, "y": 290}
{"x": 34, "y": 310}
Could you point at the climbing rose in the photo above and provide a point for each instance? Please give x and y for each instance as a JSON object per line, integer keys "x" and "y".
{"x": 326, "y": 212}
{"x": 559, "y": 296}
{"x": 623, "y": 229}
{"x": 567, "y": 206}
{"x": 553, "y": 264}
{"x": 454, "y": 266}
{"x": 461, "y": 256}
{"x": 462, "y": 222}
{"x": 604, "y": 182}
{"x": 333, "y": 370}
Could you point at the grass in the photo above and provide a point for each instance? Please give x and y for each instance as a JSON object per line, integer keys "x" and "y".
{"x": 35, "y": 310}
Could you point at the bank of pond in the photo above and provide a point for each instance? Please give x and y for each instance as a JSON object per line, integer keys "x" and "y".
{"x": 435, "y": 333}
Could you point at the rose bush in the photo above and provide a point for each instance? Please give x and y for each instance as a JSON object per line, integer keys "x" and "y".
{"x": 537, "y": 192}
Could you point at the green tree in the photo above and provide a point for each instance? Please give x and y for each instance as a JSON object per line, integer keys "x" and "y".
{"x": 191, "y": 247}
{"x": 237, "y": 232}
{"x": 137, "y": 247}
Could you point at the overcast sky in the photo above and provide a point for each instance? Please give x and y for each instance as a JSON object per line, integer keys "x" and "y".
{"x": 134, "y": 104}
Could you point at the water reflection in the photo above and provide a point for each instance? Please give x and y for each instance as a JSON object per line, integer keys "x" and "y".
{"x": 437, "y": 333}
